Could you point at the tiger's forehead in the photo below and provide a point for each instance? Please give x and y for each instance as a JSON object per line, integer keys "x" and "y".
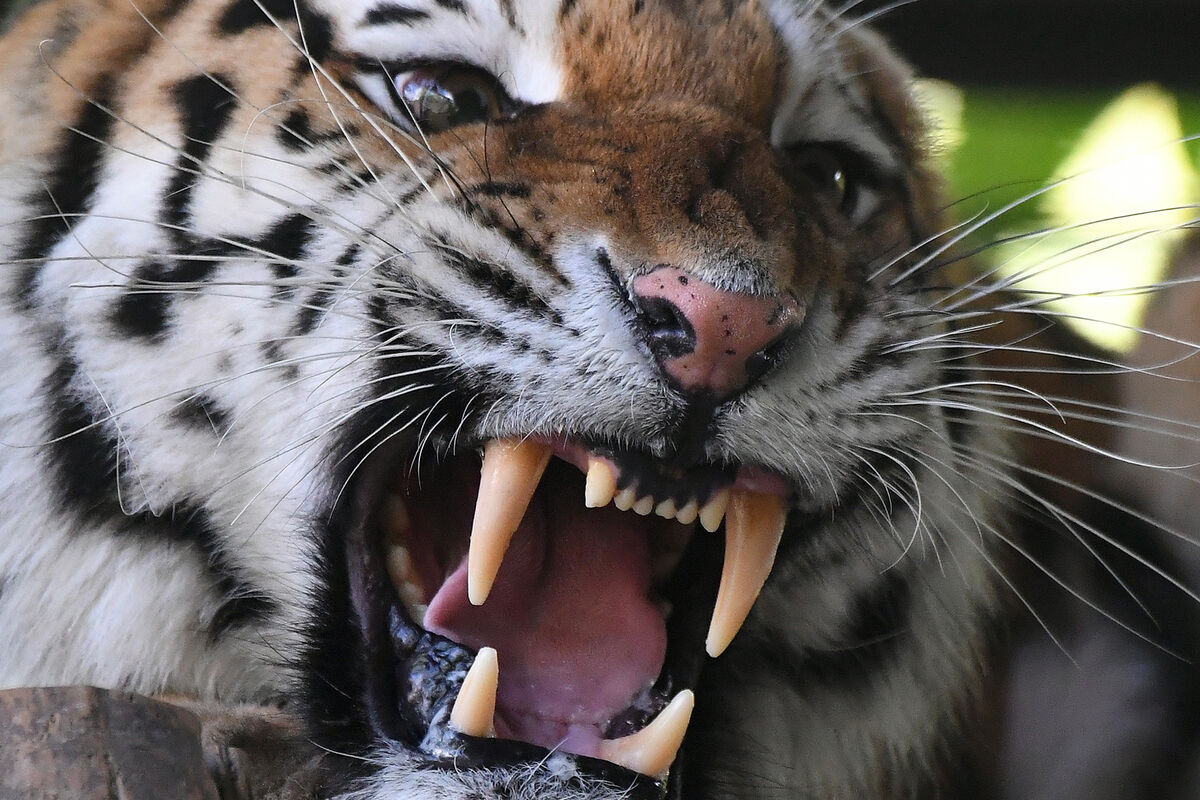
{"x": 725, "y": 53}
{"x": 719, "y": 53}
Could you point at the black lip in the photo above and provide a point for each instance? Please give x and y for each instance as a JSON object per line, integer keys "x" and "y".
{"x": 410, "y": 677}
{"x": 661, "y": 479}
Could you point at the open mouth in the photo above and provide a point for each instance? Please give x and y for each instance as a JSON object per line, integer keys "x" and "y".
{"x": 517, "y": 601}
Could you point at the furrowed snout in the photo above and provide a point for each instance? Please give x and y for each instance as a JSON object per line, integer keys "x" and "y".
{"x": 708, "y": 340}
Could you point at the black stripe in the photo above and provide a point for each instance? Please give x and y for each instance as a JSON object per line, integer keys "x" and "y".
{"x": 515, "y": 233}
{"x": 509, "y": 10}
{"x": 501, "y": 189}
{"x": 392, "y": 304}
{"x": 202, "y": 412}
{"x": 321, "y": 299}
{"x": 874, "y": 635}
{"x": 315, "y": 308}
{"x": 205, "y": 106}
{"x": 295, "y": 132}
{"x": 69, "y": 186}
{"x": 142, "y": 311}
{"x": 391, "y": 14}
{"x": 496, "y": 281}
{"x": 242, "y": 15}
{"x": 452, "y": 5}
{"x": 83, "y": 459}
{"x": 288, "y": 238}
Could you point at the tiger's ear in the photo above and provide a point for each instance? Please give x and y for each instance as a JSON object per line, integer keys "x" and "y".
{"x": 889, "y": 85}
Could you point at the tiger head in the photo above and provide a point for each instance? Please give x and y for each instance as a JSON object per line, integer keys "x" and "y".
{"x": 550, "y": 330}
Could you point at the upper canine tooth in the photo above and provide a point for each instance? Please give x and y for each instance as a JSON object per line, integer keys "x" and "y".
{"x": 713, "y": 511}
{"x": 651, "y": 750}
{"x": 644, "y": 506}
{"x": 512, "y": 470}
{"x": 625, "y": 499}
{"x": 601, "y": 484}
{"x": 752, "y": 534}
{"x": 475, "y": 708}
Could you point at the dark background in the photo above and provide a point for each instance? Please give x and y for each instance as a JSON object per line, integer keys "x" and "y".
{"x": 1063, "y": 44}
{"x": 1069, "y": 44}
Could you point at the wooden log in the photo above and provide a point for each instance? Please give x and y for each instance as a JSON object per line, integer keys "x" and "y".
{"x": 81, "y": 743}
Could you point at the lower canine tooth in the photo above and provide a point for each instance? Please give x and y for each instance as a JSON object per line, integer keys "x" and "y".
{"x": 475, "y": 708}
{"x": 601, "y": 484}
{"x": 714, "y": 511}
{"x": 651, "y": 750}
{"x": 512, "y": 470}
{"x": 752, "y": 534}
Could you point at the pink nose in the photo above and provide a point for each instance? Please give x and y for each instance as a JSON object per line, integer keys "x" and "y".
{"x": 708, "y": 340}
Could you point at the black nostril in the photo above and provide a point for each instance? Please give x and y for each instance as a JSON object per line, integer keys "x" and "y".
{"x": 665, "y": 327}
{"x": 758, "y": 364}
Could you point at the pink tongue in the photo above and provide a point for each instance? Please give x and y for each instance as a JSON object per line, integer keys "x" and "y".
{"x": 571, "y": 619}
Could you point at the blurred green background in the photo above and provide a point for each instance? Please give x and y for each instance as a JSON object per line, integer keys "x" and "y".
{"x": 1099, "y": 99}
{"x": 1092, "y": 190}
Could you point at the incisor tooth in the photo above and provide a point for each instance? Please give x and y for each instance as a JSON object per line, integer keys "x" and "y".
{"x": 644, "y": 506}
{"x": 651, "y": 750}
{"x": 752, "y": 534}
{"x": 625, "y": 499}
{"x": 475, "y": 708}
{"x": 714, "y": 511}
{"x": 687, "y": 515}
{"x": 512, "y": 469}
{"x": 601, "y": 484}
{"x": 666, "y": 509}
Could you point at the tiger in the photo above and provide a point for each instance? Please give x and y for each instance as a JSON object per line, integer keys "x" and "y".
{"x": 557, "y": 399}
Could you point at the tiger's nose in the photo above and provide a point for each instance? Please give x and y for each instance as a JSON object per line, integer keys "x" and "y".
{"x": 708, "y": 340}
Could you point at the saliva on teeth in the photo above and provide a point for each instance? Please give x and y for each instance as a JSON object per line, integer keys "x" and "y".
{"x": 650, "y": 751}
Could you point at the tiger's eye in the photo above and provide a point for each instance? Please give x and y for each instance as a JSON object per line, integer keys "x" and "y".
{"x": 441, "y": 98}
{"x": 827, "y": 174}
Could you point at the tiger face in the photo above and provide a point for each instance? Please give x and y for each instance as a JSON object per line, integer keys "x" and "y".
{"x": 541, "y": 398}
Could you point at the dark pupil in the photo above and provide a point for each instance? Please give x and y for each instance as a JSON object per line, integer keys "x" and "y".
{"x": 828, "y": 176}
{"x": 468, "y": 104}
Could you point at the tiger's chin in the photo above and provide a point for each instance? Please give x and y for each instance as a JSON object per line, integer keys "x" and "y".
{"x": 543, "y": 607}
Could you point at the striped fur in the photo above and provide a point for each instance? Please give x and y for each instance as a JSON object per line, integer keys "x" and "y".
{"x": 234, "y": 270}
